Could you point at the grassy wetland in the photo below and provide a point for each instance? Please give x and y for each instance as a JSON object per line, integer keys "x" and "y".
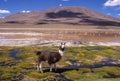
{"x": 87, "y": 63}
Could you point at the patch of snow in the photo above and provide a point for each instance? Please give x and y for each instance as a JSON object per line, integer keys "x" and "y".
{"x": 22, "y": 33}
{"x": 17, "y": 42}
{"x": 25, "y": 11}
{"x": 108, "y": 43}
{"x": 38, "y": 42}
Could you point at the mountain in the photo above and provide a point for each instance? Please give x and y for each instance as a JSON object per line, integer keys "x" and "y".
{"x": 70, "y": 15}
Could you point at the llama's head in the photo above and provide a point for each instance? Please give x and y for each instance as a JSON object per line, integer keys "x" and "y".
{"x": 62, "y": 47}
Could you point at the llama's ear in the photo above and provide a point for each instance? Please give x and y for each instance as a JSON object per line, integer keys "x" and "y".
{"x": 38, "y": 52}
{"x": 63, "y": 43}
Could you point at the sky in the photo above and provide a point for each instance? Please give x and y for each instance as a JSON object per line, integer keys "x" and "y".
{"x": 108, "y": 7}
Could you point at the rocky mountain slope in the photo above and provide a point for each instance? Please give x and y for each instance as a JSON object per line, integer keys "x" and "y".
{"x": 70, "y": 15}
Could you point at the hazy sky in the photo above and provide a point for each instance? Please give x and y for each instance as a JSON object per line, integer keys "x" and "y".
{"x": 108, "y": 7}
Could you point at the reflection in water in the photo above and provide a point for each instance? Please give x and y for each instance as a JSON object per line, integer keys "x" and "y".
{"x": 13, "y": 54}
{"x": 9, "y": 63}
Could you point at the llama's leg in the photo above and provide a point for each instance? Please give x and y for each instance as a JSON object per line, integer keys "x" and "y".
{"x": 55, "y": 67}
{"x": 51, "y": 68}
{"x": 40, "y": 67}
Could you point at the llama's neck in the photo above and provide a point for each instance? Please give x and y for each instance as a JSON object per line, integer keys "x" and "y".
{"x": 61, "y": 52}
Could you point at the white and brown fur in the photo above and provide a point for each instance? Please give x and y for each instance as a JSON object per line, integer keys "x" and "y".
{"x": 51, "y": 57}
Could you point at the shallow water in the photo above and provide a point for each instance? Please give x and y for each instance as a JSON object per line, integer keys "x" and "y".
{"x": 73, "y": 62}
{"x": 104, "y": 62}
{"x": 116, "y": 50}
{"x": 13, "y": 54}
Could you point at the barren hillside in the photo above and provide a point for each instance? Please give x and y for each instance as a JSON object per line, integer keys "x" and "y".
{"x": 62, "y": 15}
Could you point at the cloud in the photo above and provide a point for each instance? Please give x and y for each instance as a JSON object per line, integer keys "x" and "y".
{"x": 60, "y": 5}
{"x": 4, "y": 11}
{"x": 112, "y": 3}
{"x": 108, "y": 13}
{"x": 25, "y": 11}
{"x": 5, "y": 0}
{"x": 119, "y": 14}
{"x": 65, "y": 0}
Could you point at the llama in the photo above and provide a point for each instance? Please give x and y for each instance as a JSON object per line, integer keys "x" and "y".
{"x": 51, "y": 57}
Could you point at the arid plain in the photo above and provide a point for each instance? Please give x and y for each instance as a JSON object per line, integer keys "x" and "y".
{"x": 34, "y": 34}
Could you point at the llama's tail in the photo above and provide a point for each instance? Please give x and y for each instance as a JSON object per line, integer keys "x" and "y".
{"x": 38, "y": 52}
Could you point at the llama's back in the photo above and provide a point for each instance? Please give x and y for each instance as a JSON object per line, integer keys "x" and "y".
{"x": 54, "y": 57}
{"x": 44, "y": 56}
{"x": 50, "y": 57}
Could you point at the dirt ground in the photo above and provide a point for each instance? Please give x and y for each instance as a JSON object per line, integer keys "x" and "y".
{"x": 60, "y": 32}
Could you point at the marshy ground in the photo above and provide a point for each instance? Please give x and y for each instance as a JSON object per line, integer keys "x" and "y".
{"x": 87, "y": 63}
